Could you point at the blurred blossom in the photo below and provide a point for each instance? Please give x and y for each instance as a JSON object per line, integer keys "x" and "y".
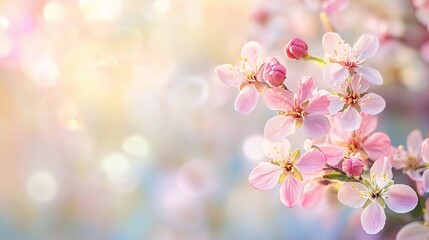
{"x": 54, "y": 11}
{"x": 101, "y": 9}
{"x": 42, "y": 186}
{"x": 136, "y": 145}
{"x": 118, "y": 172}
{"x": 252, "y": 148}
{"x": 196, "y": 177}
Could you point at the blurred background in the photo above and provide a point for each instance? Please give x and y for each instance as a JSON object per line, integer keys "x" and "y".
{"x": 114, "y": 126}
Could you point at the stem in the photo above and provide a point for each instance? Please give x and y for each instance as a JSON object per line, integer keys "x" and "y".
{"x": 317, "y": 60}
{"x": 326, "y": 22}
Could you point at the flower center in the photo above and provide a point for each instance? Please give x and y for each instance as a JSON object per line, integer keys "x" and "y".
{"x": 352, "y": 98}
{"x": 297, "y": 112}
{"x": 375, "y": 194}
{"x": 250, "y": 77}
{"x": 348, "y": 65}
{"x": 354, "y": 145}
{"x": 288, "y": 167}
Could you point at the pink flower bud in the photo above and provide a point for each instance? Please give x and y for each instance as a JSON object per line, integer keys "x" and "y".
{"x": 353, "y": 166}
{"x": 296, "y": 49}
{"x": 274, "y": 73}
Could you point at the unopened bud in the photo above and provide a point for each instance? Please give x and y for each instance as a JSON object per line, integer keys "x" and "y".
{"x": 274, "y": 73}
{"x": 353, "y": 166}
{"x": 296, "y": 49}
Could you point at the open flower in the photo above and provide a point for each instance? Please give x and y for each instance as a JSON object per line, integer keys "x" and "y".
{"x": 351, "y": 99}
{"x": 377, "y": 191}
{"x": 286, "y": 169}
{"x": 345, "y": 60}
{"x": 362, "y": 142}
{"x": 246, "y": 76}
{"x": 306, "y": 109}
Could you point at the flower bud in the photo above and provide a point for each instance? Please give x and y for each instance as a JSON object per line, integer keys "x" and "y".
{"x": 296, "y": 49}
{"x": 274, "y": 73}
{"x": 353, "y": 166}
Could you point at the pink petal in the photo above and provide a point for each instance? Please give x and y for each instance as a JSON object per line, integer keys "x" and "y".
{"x": 413, "y": 231}
{"x": 377, "y": 145}
{"x": 278, "y": 99}
{"x": 426, "y": 215}
{"x": 311, "y": 161}
{"x": 307, "y": 88}
{"x": 315, "y": 126}
{"x": 335, "y": 5}
{"x": 333, "y": 153}
{"x": 252, "y": 52}
{"x": 425, "y": 150}
{"x": 247, "y": 99}
{"x": 276, "y": 150}
{"x": 366, "y": 47}
{"x": 414, "y": 142}
{"x": 372, "y": 104}
{"x": 335, "y": 104}
{"x": 350, "y": 194}
{"x": 228, "y": 75}
{"x": 401, "y": 198}
{"x": 426, "y": 180}
{"x": 371, "y": 75}
{"x": 335, "y": 46}
{"x": 313, "y": 193}
{"x": 382, "y": 169}
{"x": 335, "y": 74}
{"x": 291, "y": 191}
{"x": 373, "y": 218}
{"x": 318, "y": 104}
{"x": 368, "y": 125}
{"x": 265, "y": 176}
{"x": 337, "y": 133}
{"x": 278, "y": 128}
{"x": 351, "y": 119}
{"x": 359, "y": 84}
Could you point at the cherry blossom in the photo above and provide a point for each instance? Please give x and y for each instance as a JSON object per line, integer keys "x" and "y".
{"x": 246, "y": 76}
{"x": 352, "y": 98}
{"x": 287, "y": 169}
{"x": 345, "y": 60}
{"x": 306, "y": 108}
{"x": 374, "y": 193}
{"x": 416, "y": 230}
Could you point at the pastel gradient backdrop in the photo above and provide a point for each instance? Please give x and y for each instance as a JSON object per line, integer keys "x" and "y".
{"x": 114, "y": 126}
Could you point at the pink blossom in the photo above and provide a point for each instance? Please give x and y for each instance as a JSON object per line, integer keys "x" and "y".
{"x": 274, "y": 73}
{"x": 416, "y": 230}
{"x": 286, "y": 169}
{"x": 362, "y": 142}
{"x": 373, "y": 194}
{"x": 345, "y": 60}
{"x": 329, "y": 6}
{"x": 307, "y": 109}
{"x": 353, "y": 166}
{"x": 296, "y": 49}
{"x": 352, "y": 98}
{"x": 244, "y": 76}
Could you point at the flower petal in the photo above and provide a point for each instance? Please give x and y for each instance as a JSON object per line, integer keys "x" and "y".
{"x": 368, "y": 125}
{"x": 359, "y": 84}
{"x": 276, "y": 150}
{"x": 333, "y": 153}
{"x": 291, "y": 191}
{"x": 278, "y": 99}
{"x": 413, "y": 231}
{"x": 278, "y": 128}
{"x": 335, "y": 46}
{"x": 381, "y": 171}
{"x": 335, "y": 74}
{"x": 337, "y": 133}
{"x": 227, "y": 74}
{"x": 315, "y": 126}
{"x": 414, "y": 142}
{"x": 265, "y": 176}
{"x": 351, "y": 119}
{"x": 401, "y": 198}
{"x": 307, "y": 88}
{"x": 313, "y": 192}
{"x": 311, "y": 161}
{"x": 247, "y": 99}
{"x": 252, "y": 52}
{"x": 366, "y": 47}
{"x": 372, "y": 104}
{"x": 350, "y": 194}
{"x": 335, "y": 104}
{"x": 318, "y": 104}
{"x": 373, "y": 218}
{"x": 369, "y": 74}
{"x": 425, "y": 150}
{"x": 377, "y": 146}
{"x": 426, "y": 180}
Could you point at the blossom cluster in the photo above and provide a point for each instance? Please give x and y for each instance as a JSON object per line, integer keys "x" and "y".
{"x": 343, "y": 151}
